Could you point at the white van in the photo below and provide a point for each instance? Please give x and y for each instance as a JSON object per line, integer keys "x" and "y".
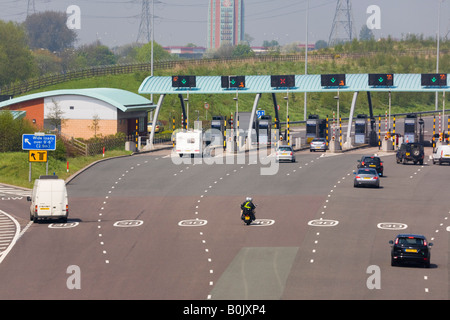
{"x": 49, "y": 199}
{"x": 441, "y": 154}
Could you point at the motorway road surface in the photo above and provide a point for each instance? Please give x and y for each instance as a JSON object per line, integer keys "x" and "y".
{"x": 143, "y": 227}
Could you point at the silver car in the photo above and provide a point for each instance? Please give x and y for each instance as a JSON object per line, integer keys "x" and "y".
{"x": 285, "y": 153}
{"x": 318, "y": 144}
{"x": 366, "y": 177}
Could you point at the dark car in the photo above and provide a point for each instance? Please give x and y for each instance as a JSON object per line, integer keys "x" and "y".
{"x": 410, "y": 152}
{"x": 412, "y": 248}
{"x": 371, "y": 162}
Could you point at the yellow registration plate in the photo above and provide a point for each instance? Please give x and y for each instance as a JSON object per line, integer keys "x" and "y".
{"x": 367, "y": 178}
{"x": 247, "y": 217}
{"x": 411, "y": 250}
{"x": 44, "y": 208}
{"x": 372, "y": 165}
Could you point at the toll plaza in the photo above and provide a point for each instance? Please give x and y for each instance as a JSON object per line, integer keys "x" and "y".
{"x": 272, "y": 84}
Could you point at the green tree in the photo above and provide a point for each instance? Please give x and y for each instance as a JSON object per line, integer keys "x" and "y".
{"x": 95, "y": 54}
{"x": 16, "y": 61}
{"x": 365, "y": 33}
{"x": 11, "y": 131}
{"x": 144, "y": 53}
{"x": 242, "y": 50}
{"x": 48, "y": 30}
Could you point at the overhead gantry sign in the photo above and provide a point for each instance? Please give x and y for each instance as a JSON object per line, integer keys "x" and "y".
{"x": 189, "y": 84}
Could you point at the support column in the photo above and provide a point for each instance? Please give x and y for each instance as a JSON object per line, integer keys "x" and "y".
{"x": 155, "y": 119}
{"x": 252, "y": 118}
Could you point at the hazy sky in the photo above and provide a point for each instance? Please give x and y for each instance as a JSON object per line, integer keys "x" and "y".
{"x": 178, "y": 22}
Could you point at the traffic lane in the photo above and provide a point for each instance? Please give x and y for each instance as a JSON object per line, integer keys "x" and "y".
{"x": 154, "y": 260}
{"x": 17, "y": 207}
{"x": 37, "y": 266}
{"x": 170, "y": 211}
{"x": 291, "y": 201}
{"x": 420, "y": 203}
{"x": 42, "y": 244}
{"x": 344, "y": 252}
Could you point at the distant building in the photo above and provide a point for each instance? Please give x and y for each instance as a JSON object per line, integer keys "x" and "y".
{"x": 116, "y": 110}
{"x": 186, "y": 52}
{"x": 225, "y": 23}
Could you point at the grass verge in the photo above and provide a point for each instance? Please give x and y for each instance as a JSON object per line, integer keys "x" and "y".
{"x": 14, "y": 167}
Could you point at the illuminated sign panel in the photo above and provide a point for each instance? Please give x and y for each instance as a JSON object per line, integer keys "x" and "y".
{"x": 184, "y": 81}
{"x": 434, "y": 79}
{"x": 282, "y": 81}
{"x": 332, "y": 80}
{"x": 381, "y": 79}
{"x": 233, "y": 82}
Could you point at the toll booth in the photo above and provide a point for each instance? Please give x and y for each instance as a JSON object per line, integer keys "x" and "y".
{"x": 410, "y": 132}
{"x": 361, "y": 129}
{"x": 218, "y": 129}
{"x": 244, "y": 119}
{"x": 315, "y": 127}
{"x": 264, "y": 129}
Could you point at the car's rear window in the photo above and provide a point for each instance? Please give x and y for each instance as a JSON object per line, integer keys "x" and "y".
{"x": 372, "y": 160}
{"x": 410, "y": 241}
{"x": 367, "y": 171}
{"x": 285, "y": 149}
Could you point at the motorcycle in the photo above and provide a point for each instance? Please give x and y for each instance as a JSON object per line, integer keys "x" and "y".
{"x": 247, "y": 217}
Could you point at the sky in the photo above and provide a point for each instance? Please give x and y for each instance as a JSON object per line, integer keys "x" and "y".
{"x": 179, "y": 22}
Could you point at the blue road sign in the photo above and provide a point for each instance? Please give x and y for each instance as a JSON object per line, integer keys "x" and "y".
{"x": 260, "y": 113}
{"x": 38, "y": 142}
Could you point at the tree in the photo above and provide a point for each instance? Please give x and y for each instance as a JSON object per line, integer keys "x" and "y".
{"x": 95, "y": 124}
{"x": 16, "y": 61}
{"x": 144, "y": 53}
{"x": 365, "y": 34}
{"x": 321, "y": 44}
{"x": 55, "y": 116}
{"x": 46, "y": 61}
{"x": 11, "y": 131}
{"x": 242, "y": 50}
{"x": 95, "y": 54}
{"x": 48, "y": 30}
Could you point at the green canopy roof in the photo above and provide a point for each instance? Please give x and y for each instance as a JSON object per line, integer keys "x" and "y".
{"x": 123, "y": 100}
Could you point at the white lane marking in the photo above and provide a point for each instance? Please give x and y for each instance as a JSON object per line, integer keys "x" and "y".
{"x": 16, "y": 236}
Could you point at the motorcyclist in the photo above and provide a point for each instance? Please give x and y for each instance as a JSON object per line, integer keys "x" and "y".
{"x": 248, "y": 208}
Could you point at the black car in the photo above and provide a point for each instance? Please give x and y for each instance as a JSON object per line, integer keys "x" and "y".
{"x": 410, "y": 248}
{"x": 410, "y": 152}
{"x": 371, "y": 162}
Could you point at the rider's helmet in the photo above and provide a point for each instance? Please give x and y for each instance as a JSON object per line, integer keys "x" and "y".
{"x": 248, "y": 199}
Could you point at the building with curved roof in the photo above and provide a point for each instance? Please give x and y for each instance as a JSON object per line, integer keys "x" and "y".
{"x": 114, "y": 110}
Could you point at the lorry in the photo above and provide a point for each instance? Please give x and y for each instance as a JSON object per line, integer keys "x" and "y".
{"x": 189, "y": 142}
{"x": 49, "y": 199}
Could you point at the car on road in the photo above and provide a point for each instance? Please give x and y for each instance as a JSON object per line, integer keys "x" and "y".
{"x": 318, "y": 144}
{"x": 158, "y": 128}
{"x": 410, "y": 248}
{"x": 411, "y": 151}
{"x": 441, "y": 155}
{"x": 284, "y": 153}
{"x": 371, "y": 162}
{"x": 366, "y": 177}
